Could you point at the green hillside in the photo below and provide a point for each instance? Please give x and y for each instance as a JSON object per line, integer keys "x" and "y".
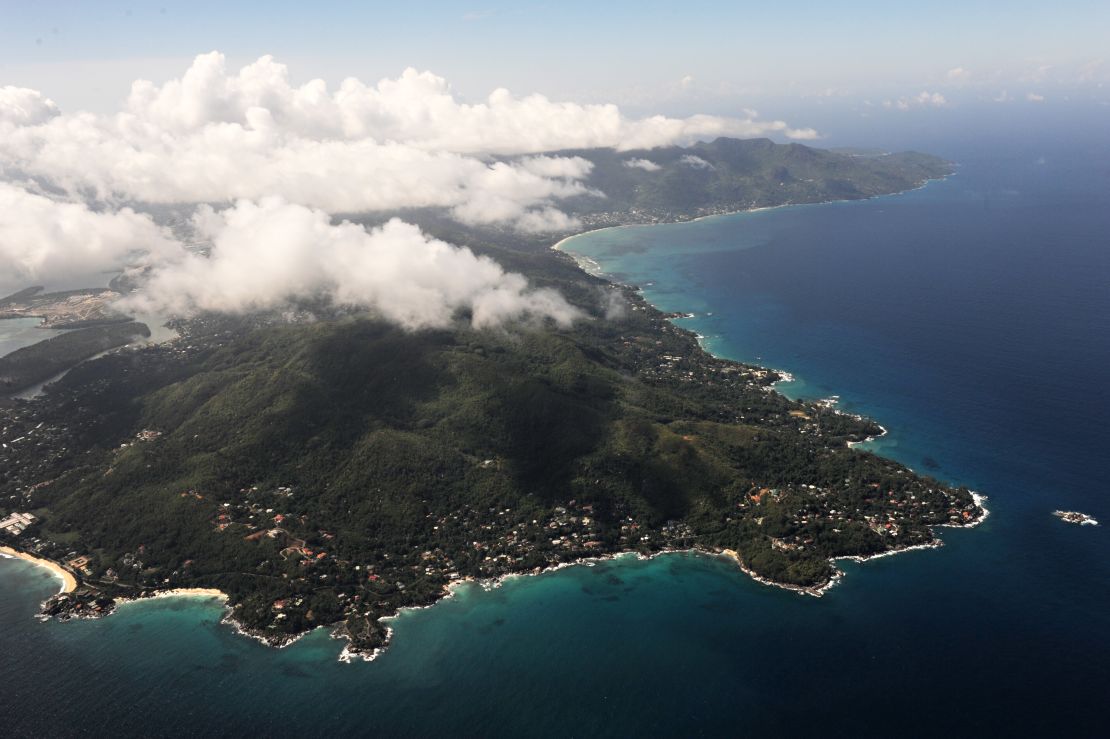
{"x": 336, "y": 469}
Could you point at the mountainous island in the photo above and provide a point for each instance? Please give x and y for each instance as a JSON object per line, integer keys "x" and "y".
{"x": 324, "y": 467}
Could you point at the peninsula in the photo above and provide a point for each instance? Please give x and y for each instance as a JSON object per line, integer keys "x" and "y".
{"x": 326, "y": 468}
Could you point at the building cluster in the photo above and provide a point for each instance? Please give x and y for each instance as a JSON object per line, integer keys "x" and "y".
{"x": 16, "y": 523}
{"x": 81, "y": 564}
{"x": 29, "y": 450}
{"x": 645, "y": 215}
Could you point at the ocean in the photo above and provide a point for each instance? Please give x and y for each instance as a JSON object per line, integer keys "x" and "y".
{"x": 970, "y": 317}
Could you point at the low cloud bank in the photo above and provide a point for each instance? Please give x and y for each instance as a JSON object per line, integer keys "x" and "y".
{"x": 212, "y": 136}
{"x": 418, "y": 109}
{"x": 923, "y": 99}
{"x": 20, "y": 106}
{"x": 44, "y": 241}
{"x": 264, "y": 255}
{"x": 696, "y": 162}
{"x": 272, "y": 160}
{"x": 645, "y": 164}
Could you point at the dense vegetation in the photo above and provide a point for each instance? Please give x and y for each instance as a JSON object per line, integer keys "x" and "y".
{"x": 336, "y": 469}
{"x": 737, "y": 174}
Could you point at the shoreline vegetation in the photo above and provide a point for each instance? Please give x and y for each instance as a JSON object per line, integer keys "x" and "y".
{"x": 348, "y": 655}
{"x": 731, "y": 555}
{"x": 590, "y": 264}
{"x": 37, "y": 363}
{"x": 680, "y": 444}
{"x": 177, "y": 593}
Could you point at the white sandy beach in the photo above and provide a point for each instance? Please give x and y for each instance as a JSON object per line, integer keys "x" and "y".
{"x": 69, "y": 582}
{"x": 180, "y": 593}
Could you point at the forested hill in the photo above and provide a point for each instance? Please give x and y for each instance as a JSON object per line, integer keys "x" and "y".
{"x": 334, "y": 471}
{"x": 680, "y": 183}
{"x": 322, "y": 467}
{"x": 736, "y": 174}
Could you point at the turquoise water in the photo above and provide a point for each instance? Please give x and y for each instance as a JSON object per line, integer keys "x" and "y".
{"x": 969, "y": 317}
{"x": 16, "y": 333}
{"x": 667, "y": 644}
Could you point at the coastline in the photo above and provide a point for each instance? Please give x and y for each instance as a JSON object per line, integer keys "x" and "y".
{"x": 347, "y": 655}
{"x": 276, "y": 641}
{"x": 558, "y": 245}
{"x": 450, "y": 589}
{"x": 176, "y": 593}
{"x": 69, "y": 582}
{"x": 591, "y": 267}
{"x": 884, "y": 432}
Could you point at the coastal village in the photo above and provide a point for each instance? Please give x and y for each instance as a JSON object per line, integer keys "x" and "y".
{"x": 783, "y": 491}
{"x": 305, "y": 570}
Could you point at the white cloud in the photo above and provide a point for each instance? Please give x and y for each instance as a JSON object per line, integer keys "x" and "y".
{"x": 1034, "y": 97}
{"x": 418, "y": 109}
{"x": 923, "y": 99}
{"x": 265, "y": 254}
{"x": 288, "y": 156}
{"x": 934, "y": 99}
{"x": 958, "y": 74}
{"x": 803, "y": 134}
{"x": 44, "y": 241}
{"x": 645, "y": 164}
{"x": 1093, "y": 70}
{"x": 262, "y": 256}
{"x": 20, "y": 106}
{"x": 686, "y": 82}
{"x": 122, "y": 158}
{"x": 696, "y": 162}
{"x": 215, "y": 136}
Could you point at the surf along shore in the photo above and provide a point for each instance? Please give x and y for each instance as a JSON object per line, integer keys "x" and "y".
{"x": 592, "y": 267}
{"x": 177, "y": 593}
{"x": 69, "y": 581}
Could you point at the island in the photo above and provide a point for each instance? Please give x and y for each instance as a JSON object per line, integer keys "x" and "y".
{"x": 321, "y": 467}
{"x": 1075, "y": 517}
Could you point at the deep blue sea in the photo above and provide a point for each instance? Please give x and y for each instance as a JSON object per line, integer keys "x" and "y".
{"x": 970, "y": 317}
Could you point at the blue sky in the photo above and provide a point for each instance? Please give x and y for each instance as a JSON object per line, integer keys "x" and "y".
{"x": 672, "y": 57}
